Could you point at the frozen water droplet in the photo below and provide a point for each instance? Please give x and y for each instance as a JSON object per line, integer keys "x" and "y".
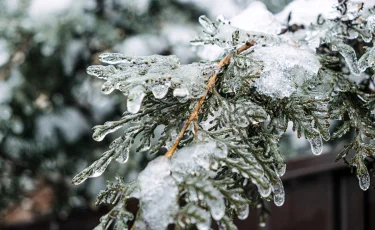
{"x": 100, "y": 166}
{"x": 217, "y": 207}
{"x": 135, "y": 99}
{"x": 364, "y": 180}
{"x": 159, "y": 91}
{"x": 107, "y": 87}
{"x": 278, "y": 192}
{"x": 180, "y": 92}
{"x": 103, "y": 130}
{"x": 316, "y": 144}
{"x": 95, "y": 70}
{"x": 123, "y": 156}
{"x": 243, "y": 212}
{"x": 281, "y": 171}
{"x": 263, "y": 191}
{"x": 208, "y": 25}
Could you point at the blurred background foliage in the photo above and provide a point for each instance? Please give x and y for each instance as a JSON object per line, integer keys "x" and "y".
{"x": 48, "y": 103}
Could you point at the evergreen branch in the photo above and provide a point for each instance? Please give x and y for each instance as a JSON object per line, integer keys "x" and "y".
{"x": 211, "y": 82}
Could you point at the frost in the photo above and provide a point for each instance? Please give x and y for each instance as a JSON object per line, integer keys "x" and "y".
{"x": 285, "y": 68}
{"x": 158, "y": 193}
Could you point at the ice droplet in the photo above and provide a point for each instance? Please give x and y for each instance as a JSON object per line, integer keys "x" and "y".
{"x": 364, "y": 180}
{"x": 207, "y": 25}
{"x": 316, "y": 144}
{"x": 159, "y": 91}
{"x": 243, "y": 212}
{"x": 278, "y": 192}
{"x": 103, "y": 130}
{"x": 123, "y": 156}
{"x": 217, "y": 207}
{"x": 281, "y": 171}
{"x": 135, "y": 99}
{"x": 180, "y": 92}
{"x": 107, "y": 87}
{"x": 263, "y": 191}
{"x": 100, "y": 166}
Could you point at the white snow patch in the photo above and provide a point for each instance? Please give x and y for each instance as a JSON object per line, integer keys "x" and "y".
{"x": 285, "y": 68}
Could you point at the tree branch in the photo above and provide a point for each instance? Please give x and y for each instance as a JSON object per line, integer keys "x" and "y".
{"x": 194, "y": 115}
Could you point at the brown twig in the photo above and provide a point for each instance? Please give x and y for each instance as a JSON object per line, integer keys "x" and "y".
{"x": 194, "y": 115}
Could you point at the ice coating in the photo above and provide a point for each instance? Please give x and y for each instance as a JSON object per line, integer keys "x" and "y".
{"x": 227, "y": 36}
{"x": 196, "y": 158}
{"x": 285, "y": 68}
{"x": 135, "y": 76}
{"x": 158, "y": 193}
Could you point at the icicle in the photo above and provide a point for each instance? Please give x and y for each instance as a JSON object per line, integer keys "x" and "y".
{"x": 180, "y": 92}
{"x": 103, "y": 130}
{"x": 364, "y": 179}
{"x": 107, "y": 87}
{"x": 263, "y": 191}
{"x": 278, "y": 192}
{"x": 135, "y": 99}
{"x": 123, "y": 156}
{"x": 217, "y": 207}
{"x": 281, "y": 171}
{"x": 207, "y": 25}
{"x": 316, "y": 143}
{"x": 243, "y": 212}
{"x": 101, "y": 166}
{"x": 159, "y": 91}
